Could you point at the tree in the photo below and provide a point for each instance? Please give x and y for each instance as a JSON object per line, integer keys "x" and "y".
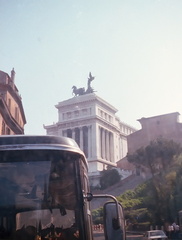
{"x": 97, "y": 216}
{"x": 136, "y": 210}
{"x": 109, "y": 177}
{"x": 158, "y": 157}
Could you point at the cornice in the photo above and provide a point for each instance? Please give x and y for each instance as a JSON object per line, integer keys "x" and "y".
{"x": 85, "y": 122}
{"x": 102, "y": 161}
{"x": 87, "y": 98}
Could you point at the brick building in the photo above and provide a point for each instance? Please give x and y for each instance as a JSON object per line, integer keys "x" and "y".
{"x": 12, "y": 117}
{"x": 166, "y": 126}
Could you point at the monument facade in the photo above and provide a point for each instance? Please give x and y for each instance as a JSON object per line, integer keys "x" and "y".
{"x": 93, "y": 123}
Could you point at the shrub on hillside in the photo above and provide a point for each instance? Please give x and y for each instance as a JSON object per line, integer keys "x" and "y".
{"x": 109, "y": 178}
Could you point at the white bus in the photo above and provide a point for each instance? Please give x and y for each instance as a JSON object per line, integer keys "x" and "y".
{"x": 44, "y": 192}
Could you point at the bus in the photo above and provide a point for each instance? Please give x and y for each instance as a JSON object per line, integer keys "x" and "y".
{"x": 45, "y": 194}
{"x": 180, "y": 220}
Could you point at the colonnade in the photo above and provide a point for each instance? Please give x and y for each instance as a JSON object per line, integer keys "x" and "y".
{"x": 82, "y": 136}
{"x": 106, "y": 145}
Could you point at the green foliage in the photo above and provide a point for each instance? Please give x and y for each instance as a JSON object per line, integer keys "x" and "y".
{"x": 130, "y": 199}
{"x": 157, "y": 156}
{"x": 97, "y": 216}
{"x": 135, "y": 206}
{"x": 109, "y": 177}
{"x": 159, "y": 199}
{"x": 161, "y": 196}
{"x": 144, "y": 226}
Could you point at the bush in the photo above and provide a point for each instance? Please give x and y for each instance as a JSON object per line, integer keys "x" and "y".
{"x": 141, "y": 226}
{"x": 97, "y": 216}
{"x": 109, "y": 178}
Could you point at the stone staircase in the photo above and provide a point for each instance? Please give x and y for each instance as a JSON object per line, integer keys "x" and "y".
{"x": 127, "y": 184}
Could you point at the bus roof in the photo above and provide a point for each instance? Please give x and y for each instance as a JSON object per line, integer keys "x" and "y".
{"x": 28, "y": 142}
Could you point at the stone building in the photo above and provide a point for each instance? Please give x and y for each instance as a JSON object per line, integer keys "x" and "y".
{"x": 93, "y": 123}
{"x": 12, "y": 117}
{"x": 166, "y": 126}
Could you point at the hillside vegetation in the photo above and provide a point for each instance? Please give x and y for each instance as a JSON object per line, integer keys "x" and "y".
{"x": 158, "y": 200}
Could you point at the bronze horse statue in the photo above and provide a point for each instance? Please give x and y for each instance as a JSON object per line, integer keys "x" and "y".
{"x": 81, "y": 91}
{"x": 78, "y": 91}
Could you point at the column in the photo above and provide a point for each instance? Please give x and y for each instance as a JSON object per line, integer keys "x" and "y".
{"x": 103, "y": 143}
{"x": 96, "y": 141}
{"x": 107, "y": 146}
{"x": 102, "y": 154}
{"x": 81, "y": 138}
{"x": 89, "y": 141}
{"x": 73, "y": 133}
{"x": 85, "y": 140}
{"x": 112, "y": 147}
{"x": 100, "y": 142}
{"x": 77, "y": 136}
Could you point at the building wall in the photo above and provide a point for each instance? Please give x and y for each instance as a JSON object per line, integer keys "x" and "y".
{"x": 93, "y": 123}
{"x": 166, "y": 126}
{"x": 12, "y": 117}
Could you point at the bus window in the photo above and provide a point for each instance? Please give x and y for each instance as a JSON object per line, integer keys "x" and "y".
{"x": 39, "y": 194}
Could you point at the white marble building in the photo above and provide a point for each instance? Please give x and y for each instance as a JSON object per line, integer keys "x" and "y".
{"x": 92, "y": 122}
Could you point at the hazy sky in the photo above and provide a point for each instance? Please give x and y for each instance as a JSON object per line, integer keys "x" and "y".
{"x": 133, "y": 47}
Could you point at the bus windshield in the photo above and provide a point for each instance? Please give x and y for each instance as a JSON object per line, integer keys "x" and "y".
{"x": 38, "y": 189}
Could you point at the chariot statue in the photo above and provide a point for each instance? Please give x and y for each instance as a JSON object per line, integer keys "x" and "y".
{"x": 81, "y": 91}
{"x": 78, "y": 91}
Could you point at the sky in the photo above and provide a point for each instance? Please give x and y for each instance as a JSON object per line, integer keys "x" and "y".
{"x": 132, "y": 47}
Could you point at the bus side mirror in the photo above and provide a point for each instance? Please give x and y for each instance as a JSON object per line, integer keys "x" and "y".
{"x": 114, "y": 223}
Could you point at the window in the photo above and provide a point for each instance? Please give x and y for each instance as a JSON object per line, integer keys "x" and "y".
{"x": 16, "y": 114}
{"x": 105, "y": 116}
{"x": 76, "y": 113}
{"x": 84, "y": 111}
{"x": 7, "y": 131}
{"x": 9, "y": 103}
{"x": 69, "y": 115}
{"x": 3, "y": 128}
